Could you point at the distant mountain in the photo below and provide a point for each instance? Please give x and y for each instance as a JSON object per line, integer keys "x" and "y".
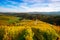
{"x": 46, "y": 13}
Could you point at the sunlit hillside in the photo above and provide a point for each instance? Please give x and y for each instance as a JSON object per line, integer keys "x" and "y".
{"x": 8, "y": 20}
{"x": 26, "y": 29}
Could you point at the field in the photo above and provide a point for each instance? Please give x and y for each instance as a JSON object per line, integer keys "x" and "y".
{"x": 13, "y": 28}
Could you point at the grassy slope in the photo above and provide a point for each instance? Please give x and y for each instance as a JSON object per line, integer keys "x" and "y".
{"x": 28, "y": 30}
{"x": 57, "y": 29}
{"x": 6, "y": 20}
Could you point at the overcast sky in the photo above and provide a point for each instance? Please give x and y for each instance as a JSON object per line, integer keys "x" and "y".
{"x": 29, "y": 5}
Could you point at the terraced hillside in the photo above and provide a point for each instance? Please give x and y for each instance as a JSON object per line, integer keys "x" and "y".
{"x": 28, "y": 30}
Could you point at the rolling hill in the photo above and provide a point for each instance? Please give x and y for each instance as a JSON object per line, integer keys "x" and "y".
{"x": 26, "y": 29}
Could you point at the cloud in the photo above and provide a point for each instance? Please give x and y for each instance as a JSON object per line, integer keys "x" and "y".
{"x": 42, "y": 9}
{"x": 2, "y": 9}
{"x": 12, "y": 2}
{"x": 55, "y": 0}
{"x": 15, "y": 9}
{"x": 55, "y": 5}
{"x": 8, "y": 2}
{"x": 41, "y": 5}
{"x": 33, "y": 1}
{"x": 31, "y": 6}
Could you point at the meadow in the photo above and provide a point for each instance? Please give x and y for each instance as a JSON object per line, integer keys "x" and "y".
{"x": 13, "y": 28}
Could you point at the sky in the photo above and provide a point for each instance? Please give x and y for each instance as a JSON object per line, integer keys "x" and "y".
{"x": 29, "y": 5}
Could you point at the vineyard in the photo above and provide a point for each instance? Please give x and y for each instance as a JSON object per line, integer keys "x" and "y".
{"x": 26, "y": 29}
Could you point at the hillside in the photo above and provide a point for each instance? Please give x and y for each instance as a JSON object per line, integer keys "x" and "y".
{"x": 8, "y": 20}
{"x": 29, "y": 30}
